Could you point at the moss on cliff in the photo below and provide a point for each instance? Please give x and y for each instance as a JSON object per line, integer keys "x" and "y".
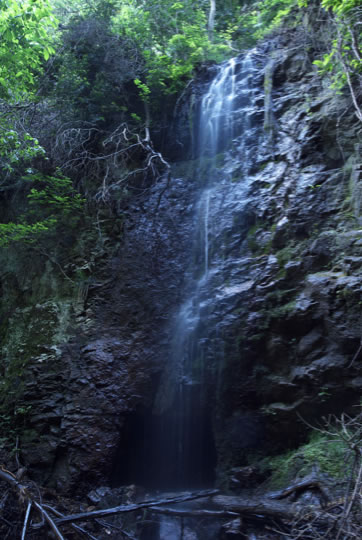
{"x": 319, "y": 454}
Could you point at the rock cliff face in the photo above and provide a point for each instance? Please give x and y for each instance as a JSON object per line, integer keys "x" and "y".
{"x": 289, "y": 311}
{"x": 295, "y": 341}
{"x": 80, "y": 354}
{"x": 84, "y": 325}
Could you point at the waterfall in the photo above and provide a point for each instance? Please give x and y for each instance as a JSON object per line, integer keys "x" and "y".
{"x": 173, "y": 444}
{"x": 216, "y": 122}
{"x": 186, "y": 455}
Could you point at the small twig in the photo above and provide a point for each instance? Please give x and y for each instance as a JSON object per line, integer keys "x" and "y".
{"x": 115, "y": 527}
{"x": 51, "y": 259}
{"x": 163, "y": 190}
{"x": 16, "y": 452}
{"x": 50, "y": 521}
{"x": 6, "y": 521}
{"x": 73, "y": 525}
{"x": 356, "y": 355}
{"x": 352, "y": 501}
{"x": 26, "y": 520}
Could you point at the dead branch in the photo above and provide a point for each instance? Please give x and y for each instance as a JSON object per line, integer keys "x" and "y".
{"x": 346, "y": 64}
{"x": 49, "y": 520}
{"x": 134, "y": 507}
{"x": 121, "y": 156}
{"x": 26, "y": 520}
{"x": 73, "y": 525}
{"x": 332, "y": 519}
{"x": 108, "y": 525}
{"x": 349, "y": 504}
{"x": 310, "y": 481}
{"x": 338, "y": 519}
{"x": 26, "y": 496}
{"x": 356, "y": 355}
{"x": 249, "y": 506}
{"x": 193, "y": 513}
{"x": 12, "y": 480}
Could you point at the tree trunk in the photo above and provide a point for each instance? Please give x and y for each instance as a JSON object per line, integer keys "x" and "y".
{"x": 211, "y": 21}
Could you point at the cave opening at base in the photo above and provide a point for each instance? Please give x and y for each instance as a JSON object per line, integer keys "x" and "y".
{"x": 150, "y": 453}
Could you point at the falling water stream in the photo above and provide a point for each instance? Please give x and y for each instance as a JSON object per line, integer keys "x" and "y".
{"x": 186, "y": 441}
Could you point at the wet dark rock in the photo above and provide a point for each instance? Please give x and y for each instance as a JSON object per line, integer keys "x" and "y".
{"x": 280, "y": 237}
{"x": 310, "y": 342}
{"x": 232, "y": 530}
{"x": 244, "y": 477}
{"x": 98, "y": 494}
{"x": 90, "y": 361}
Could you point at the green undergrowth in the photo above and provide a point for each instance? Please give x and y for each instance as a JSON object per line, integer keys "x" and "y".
{"x": 321, "y": 452}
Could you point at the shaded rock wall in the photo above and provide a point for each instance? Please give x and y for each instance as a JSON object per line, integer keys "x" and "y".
{"x": 81, "y": 353}
{"x": 299, "y": 324}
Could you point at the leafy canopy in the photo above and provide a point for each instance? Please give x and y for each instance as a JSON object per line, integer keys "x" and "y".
{"x": 172, "y": 38}
{"x": 25, "y": 44}
{"x": 27, "y": 33}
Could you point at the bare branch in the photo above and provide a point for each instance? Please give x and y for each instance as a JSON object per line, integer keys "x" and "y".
{"x": 124, "y": 157}
{"x": 134, "y": 507}
{"x": 26, "y": 520}
{"x": 73, "y": 525}
{"x": 49, "y": 520}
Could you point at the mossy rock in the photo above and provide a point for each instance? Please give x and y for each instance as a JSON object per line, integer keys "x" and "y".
{"x": 322, "y": 452}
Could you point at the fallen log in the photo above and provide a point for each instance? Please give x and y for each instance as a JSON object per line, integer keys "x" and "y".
{"x": 193, "y": 513}
{"x": 310, "y": 481}
{"x": 256, "y": 507}
{"x": 134, "y": 507}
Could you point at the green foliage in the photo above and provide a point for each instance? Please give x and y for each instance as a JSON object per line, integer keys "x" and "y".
{"x": 23, "y": 232}
{"x": 342, "y": 63}
{"x": 143, "y": 89}
{"x": 271, "y": 14}
{"x": 252, "y": 21}
{"x": 329, "y": 455}
{"x": 341, "y": 7}
{"x": 156, "y": 44}
{"x": 54, "y": 196}
{"x": 16, "y": 149}
{"x": 172, "y": 39}
{"x": 89, "y": 76}
{"x": 53, "y": 203}
{"x": 25, "y": 44}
